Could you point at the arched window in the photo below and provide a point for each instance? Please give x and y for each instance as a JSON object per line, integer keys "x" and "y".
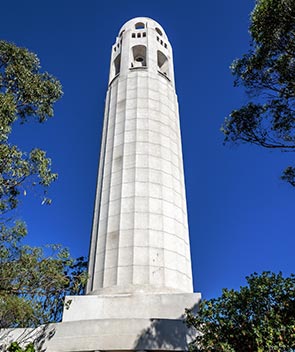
{"x": 117, "y": 64}
{"x": 138, "y": 56}
{"x": 158, "y": 31}
{"x": 139, "y": 25}
{"x": 163, "y": 63}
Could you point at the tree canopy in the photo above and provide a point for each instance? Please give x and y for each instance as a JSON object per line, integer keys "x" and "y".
{"x": 260, "y": 317}
{"x": 25, "y": 93}
{"x": 267, "y": 72}
{"x": 33, "y": 280}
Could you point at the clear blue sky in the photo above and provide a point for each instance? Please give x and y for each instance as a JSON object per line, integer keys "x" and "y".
{"x": 240, "y": 213}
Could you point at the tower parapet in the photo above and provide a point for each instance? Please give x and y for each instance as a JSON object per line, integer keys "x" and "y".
{"x": 142, "y": 44}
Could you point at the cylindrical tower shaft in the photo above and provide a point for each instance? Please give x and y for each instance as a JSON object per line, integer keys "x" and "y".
{"x": 140, "y": 239}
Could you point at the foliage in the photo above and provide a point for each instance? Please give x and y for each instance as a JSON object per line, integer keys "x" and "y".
{"x": 33, "y": 284}
{"x": 259, "y": 317}
{"x": 267, "y": 72}
{"x": 25, "y": 94}
{"x": 15, "y": 347}
{"x": 33, "y": 280}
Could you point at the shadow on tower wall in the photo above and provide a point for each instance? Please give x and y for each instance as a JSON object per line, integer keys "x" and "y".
{"x": 163, "y": 334}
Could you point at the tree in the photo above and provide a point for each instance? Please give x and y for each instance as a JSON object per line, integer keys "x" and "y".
{"x": 33, "y": 285}
{"x": 259, "y": 317}
{"x": 33, "y": 280}
{"x": 267, "y": 72}
{"x": 25, "y": 93}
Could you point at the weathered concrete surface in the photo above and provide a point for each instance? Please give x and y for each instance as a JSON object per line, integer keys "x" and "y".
{"x": 118, "y": 322}
{"x": 129, "y": 306}
{"x": 115, "y": 335}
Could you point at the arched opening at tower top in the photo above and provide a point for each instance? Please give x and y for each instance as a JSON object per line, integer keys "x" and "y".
{"x": 158, "y": 30}
{"x": 163, "y": 63}
{"x": 117, "y": 64}
{"x": 139, "y": 25}
{"x": 138, "y": 56}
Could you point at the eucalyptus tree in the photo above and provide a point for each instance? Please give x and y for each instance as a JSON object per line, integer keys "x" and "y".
{"x": 33, "y": 280}
{"x": 267, "y": 72}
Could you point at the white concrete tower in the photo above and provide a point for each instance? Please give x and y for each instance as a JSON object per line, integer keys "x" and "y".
{"x": 140, "y": 239}
{"x": 140, "y": 278}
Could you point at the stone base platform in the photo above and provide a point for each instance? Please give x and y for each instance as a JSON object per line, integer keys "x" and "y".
{"x": 133, "y": 322}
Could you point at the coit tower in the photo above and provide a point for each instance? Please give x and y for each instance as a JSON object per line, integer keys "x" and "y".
{"x": 140, "y": 239}
{"x": 140, "y": 277}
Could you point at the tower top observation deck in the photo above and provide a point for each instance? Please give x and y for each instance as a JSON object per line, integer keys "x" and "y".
{"x": 143, "y": 23}
{"x": 142, "y": 44}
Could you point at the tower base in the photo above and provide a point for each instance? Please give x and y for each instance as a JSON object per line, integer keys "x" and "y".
{"x": 137, "y": 321}
{"x": 132, "y": 322}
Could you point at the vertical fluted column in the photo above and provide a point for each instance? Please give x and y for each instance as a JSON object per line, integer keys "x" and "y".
{"x": 140, "y": 239}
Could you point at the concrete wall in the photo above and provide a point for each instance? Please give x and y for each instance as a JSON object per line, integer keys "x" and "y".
{"x": 140, "y": 236}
